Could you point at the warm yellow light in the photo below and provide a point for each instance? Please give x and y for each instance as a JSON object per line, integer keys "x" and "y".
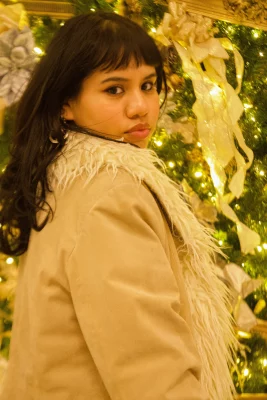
{"x": 216, "y": 91}
{"x": 199, "y": 144}
{"x": 37, "y": 50}
{"x": 246, "y": 372}
{"x": 158, "y": 143}
{"x": 256, "y": 34}
{"x": 238, "y": 360}
{"x": 262, "y": 173}
{"x": 154, "y": 30}
{"x": 171, "y": 164}
{"x": 92, "y": 9}
{"x": 259, "y": 248}
{"x": 198, "y": 174}
{"x": 261, "y": 54}
{"x": 9, "y": 260}
{"x": 243, "y": 264}
{"x": 264, "y": 362}
{"x": 264, "y": 246}
{"x": 203, "y": 185}
{"x": 62, "y": 24}
{"x": 246, "y": 106}
{"x": 253, "y": 119}
{"x": 245, "y": 335}
{"x": 220, "y": 242}
{"x": 256, "y": 136}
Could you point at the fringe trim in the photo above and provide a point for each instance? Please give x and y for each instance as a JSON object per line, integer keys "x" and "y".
{"x": 208, "y": 295}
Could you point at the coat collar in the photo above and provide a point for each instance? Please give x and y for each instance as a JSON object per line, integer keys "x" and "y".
{"x": 208, "y": 296}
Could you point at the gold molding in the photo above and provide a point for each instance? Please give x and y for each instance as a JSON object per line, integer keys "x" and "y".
{"x": 61, "y": 9}
{"x": 217, "y": 9}
{"x": 252, "y": 396}
{"x": 226, "y": 10}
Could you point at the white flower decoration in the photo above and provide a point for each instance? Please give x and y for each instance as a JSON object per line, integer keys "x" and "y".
{"x": 17, "y": 61}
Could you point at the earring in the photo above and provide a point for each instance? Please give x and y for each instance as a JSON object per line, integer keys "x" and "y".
{"x": 52, "y": 140}
{"x": 64, "y": 131}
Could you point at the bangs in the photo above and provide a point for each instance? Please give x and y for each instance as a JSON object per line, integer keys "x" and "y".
{"x": 121, "y": 44}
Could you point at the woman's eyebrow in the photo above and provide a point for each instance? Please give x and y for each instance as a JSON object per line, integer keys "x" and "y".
{"x": 120, "y": 79}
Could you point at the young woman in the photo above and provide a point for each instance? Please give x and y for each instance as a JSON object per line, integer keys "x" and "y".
{"x": 117, "y": 295}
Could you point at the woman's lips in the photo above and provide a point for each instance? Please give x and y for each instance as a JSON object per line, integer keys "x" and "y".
{"x": 141, "y": 134}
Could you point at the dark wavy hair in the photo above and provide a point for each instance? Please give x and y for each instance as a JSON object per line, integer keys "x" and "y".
{"x": 86, "y": 43}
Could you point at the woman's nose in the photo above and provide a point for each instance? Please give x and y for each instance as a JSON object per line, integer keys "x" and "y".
{"x": 137, "y": 105}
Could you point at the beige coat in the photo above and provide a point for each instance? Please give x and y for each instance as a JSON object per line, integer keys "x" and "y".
{"x": 102, "y": 310}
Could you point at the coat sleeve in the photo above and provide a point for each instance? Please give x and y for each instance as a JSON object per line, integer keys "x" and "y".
{"x": 127, "y": 301}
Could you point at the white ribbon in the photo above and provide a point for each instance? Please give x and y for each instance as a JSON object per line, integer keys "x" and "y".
{"x": 217, "y": 107}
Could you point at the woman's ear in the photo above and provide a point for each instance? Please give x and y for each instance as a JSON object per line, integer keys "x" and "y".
{"x": 67, "y": 111}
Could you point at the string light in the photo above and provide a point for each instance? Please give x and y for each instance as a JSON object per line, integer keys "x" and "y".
{"x": 38, "y": 51}
{"x": 220, "y": 242}
{"x": 171, "y": 164}
{"x": 246, "y": 106}
{"x": 154, "y": 30}
{"x": 261, "y": 54}
{"x": 245, "y": 372}
{"x": 199, "y": 144}
{"x": 243, "y": 264}
{"x": 92, "y": 9}
{"x": 62, "y": 24}
{"x": 9, "y": 260}
{"x": 259, "y": 248}
{"x": 264, "y": 246}
{"x": 256, "y": 136}
{"x": 198, "y": 174}
{"x": 256, "y": 34}
{"x": 245, "y": 335}
{"x": 203, "y": 185}
{"x": 264, "y": 362}
{"x": 158, "y": 143}
{"x": 262, "y": 173}
{"x": 253, "y": 119}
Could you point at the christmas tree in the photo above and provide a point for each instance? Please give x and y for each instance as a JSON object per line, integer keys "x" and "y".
{"x": 212, "y": 137}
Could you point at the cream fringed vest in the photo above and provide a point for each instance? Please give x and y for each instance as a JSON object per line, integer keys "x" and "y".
{"x": 208, "y": 296}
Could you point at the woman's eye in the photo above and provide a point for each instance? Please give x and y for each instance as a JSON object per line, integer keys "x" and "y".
{"x": 147, "y": 86}
{"x": 114, "y": 90}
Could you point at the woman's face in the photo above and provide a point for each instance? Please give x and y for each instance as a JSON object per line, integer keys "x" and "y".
{"x": 113, "y": 103}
